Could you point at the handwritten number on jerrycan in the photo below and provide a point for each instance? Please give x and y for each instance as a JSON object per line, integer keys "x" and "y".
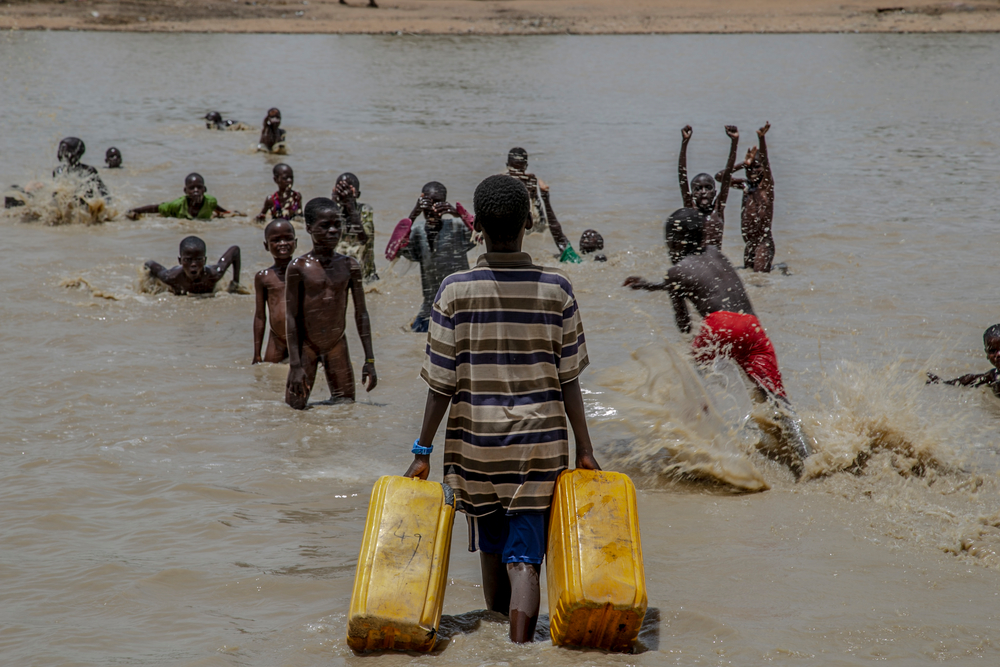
{"x": 597, "y": 586}
{"x": 403, "y": 566}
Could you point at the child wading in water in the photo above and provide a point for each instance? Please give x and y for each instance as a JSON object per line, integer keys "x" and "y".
{"x": 192, "y": 276}
{"x": 758, "y": 206}
{"x": 269, "y": 286}
{"x": 505, "y": 352}
{"x": 702, "y": 275}
{"x": 316, "y": 289}
{"x": 991, "y": 378}
{"x": 359, "y": 236}
{"x": 285, "y": 203}
{"x": 441, "y": 244}
{"x": 701, "y": 194}
{"x": 90, "y": 185}
{"x": 194, "y": 205}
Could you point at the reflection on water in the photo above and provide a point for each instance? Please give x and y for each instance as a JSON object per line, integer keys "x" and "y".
{"x": 163, "y": 505}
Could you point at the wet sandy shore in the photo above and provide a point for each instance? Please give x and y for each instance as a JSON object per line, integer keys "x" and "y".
{"x": 503, "y": 16}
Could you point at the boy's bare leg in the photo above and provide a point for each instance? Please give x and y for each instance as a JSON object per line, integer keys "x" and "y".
{"x": 764, "y": 254}
{"x": 525, "y": 598}
{"x": 277, "y": 349}
{"x": 309, "y": 360}
{"x": 496, "y": 583}
{"x": 339, "y": 371}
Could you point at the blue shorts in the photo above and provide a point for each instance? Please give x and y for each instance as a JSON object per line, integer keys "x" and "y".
{"x": 520, "y": 538}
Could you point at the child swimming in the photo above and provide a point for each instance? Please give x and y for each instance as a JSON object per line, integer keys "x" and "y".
{"x": 194, "y": 205}
{"x": 272, "y": 137}
{"x": 113, "y": 158}
{"x": 991, "y": 378}
{"x": 192, "y": 276}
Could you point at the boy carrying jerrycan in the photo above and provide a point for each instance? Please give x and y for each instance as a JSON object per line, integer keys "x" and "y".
{"x": 505, "y": 351}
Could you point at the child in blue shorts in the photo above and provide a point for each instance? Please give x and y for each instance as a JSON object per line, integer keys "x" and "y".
{"x": 505, "y": 350}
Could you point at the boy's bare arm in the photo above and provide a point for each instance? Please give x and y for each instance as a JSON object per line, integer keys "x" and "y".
{"x": 637, "y": 282}
{"x": 434, "y": 411}
{"x": 293, "y": 300}
{"x": 158, "y": 271}
{"x": 554, "y": 227}
{"x": 259, "y": 316}
{"x": 763, "y": 147}
{"x": 368, "y": 376}
{"x": 727, "y": 174}
{"x": 678, "y": 296}
{"x": 573, "y": 403}
{"x": 230, "y": 258}
{"x": 682, "y": 167}
{"x": 737, "y": 183}
{"x": 968, "y": 380}
{"x": 134, "y": 213}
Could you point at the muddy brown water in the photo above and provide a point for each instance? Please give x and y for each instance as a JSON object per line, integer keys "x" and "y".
{"x": 162, "y": 506}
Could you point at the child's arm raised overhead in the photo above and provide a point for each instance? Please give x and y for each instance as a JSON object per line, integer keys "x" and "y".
{"x": 763, "y": 148}
{"x": 682, "y": 167}
{"x": 727, "y": 174}
{"x": 259, "y": 315}
{"x": 368, "y": 376}
{"x": 573, "y": 403}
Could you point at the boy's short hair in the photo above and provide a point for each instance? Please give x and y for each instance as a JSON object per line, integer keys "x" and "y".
{"x": 517, "y": 151}
{"x": 502, "y": 206}
{"x": 434, "y": 186}
{"x": 993, "y": 333}
{"x": 688, "y": 226}
{"x": 194, "y": 174}
{"x": 318, "y": 204}
{"x": 75, "y": 145}
{"x": 274, "y": 223}
{"x": 192, "y": 243}
{"x": 279, "y": 166}
{"x": 353, "y": 180}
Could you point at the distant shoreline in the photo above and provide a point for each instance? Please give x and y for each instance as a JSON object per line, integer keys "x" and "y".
{"x": 505, "y": 17}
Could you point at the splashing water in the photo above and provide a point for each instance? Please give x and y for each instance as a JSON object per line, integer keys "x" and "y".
{"x": 58, "y": 202}
{"x": 675, "y": 427}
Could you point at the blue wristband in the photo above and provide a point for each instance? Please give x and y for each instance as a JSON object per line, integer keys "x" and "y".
{"x": 421, "y": 451}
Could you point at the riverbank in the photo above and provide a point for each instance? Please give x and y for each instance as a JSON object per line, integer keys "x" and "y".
{"x": 502, "y": 16}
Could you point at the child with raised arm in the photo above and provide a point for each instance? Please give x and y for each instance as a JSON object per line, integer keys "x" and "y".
{"x": 505, "y": 352}
{"x": 194, "y": 205}
{"x": 272, "y": 137}
{"x": 440, "y": 244}
{"x": 192, "y": 276}
{"x": 702, "y": 275}
{"x": 269, "y": 286}
{"x": 316, "y": 289}
{"x": 991, "y": 378}
{"x": 359, "y": 236}
{"x": 758, "y": 206}
{"x": 285, "y": 203}
{"x": 701, "y": 194}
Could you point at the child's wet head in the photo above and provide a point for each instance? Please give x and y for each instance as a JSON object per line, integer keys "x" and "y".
{"x": 273, "y": 117}
{"x": 517, "y": 159}
{"x": 685, "y": 232}
{"x": 192, "y": 257}
{"x": 71, "y": 150}
{"x": 433, "y": 193}
{"x": 194, "y": 188}
{"x": 991, "y": 344}
{"x": 703, "y": 192}
{"x": 324, "y": 222}
{"x": 113, "y": 158}
{"x": 591, "y": 241}
{"x": 283, "y": 176}
{"x": 279, "y": 238}
{"x": 351, "y": 180}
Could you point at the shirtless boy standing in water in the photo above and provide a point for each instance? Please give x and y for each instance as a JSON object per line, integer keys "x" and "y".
{"x": 702, "y": 274}
{"x": 758, "y": 206}
{"x": 702, "y": 194}
{"x": 316, "y": 287}
{"x": 192, "y": 276}
{"x": 269, "y": 286}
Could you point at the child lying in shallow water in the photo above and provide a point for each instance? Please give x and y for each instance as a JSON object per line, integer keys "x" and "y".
{"x": 991, "y": 378}
{"x": 192, "y": 276}
{"x": 194, "y": 205}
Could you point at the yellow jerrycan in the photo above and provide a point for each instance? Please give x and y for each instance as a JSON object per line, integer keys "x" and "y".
{"x": 402, "y": 567}
{"x": 597, "y": 586}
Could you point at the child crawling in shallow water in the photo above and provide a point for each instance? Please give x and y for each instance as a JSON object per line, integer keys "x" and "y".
{"x": 285, "y": 203}
{"x": 991, "y": 378}
{"x": 194, "y": 205}
{"x": 316, "y": 289}
{"x": 192, "y": 276}
{"x": 269, "y": 286}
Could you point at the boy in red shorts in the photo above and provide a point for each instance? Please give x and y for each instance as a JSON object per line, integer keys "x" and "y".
{"x": 702, "y": 274}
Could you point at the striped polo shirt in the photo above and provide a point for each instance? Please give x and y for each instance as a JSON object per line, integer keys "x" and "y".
{"x": 504, "y": 337}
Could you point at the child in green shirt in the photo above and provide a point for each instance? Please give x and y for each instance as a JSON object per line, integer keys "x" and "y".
{"x": 194, "y": 205}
